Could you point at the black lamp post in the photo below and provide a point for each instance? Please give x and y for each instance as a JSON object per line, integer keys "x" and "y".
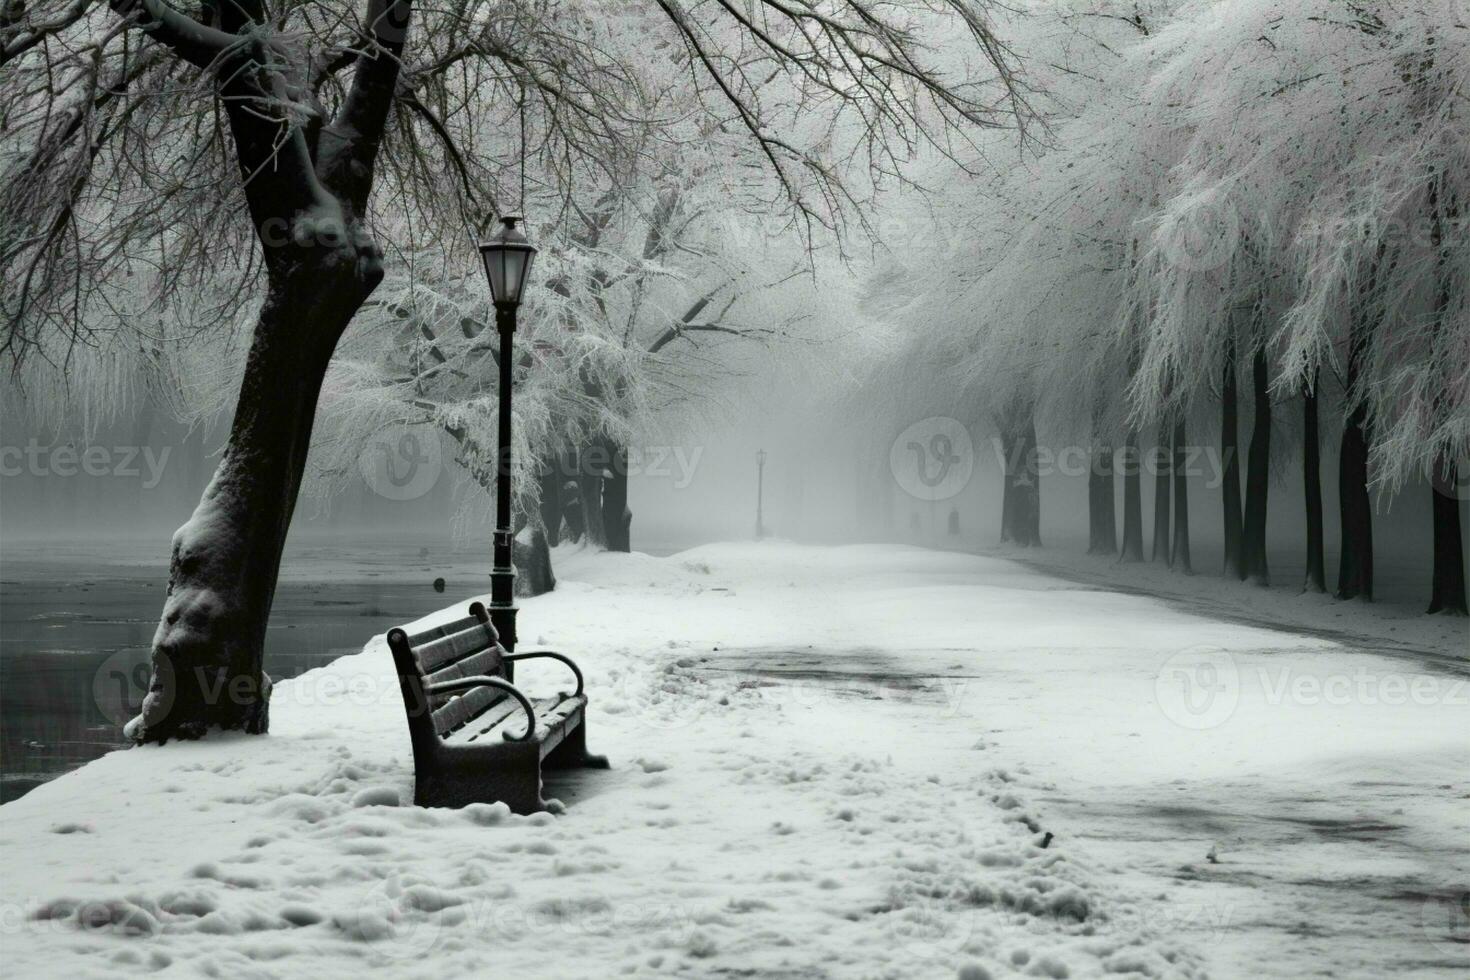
{"x": 760, "y": 492}
{"x": 508, "y": 257}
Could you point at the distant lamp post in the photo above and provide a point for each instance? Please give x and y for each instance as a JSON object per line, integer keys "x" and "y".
{"x": 508, "y": 257}
{"x": 760, "y": 487}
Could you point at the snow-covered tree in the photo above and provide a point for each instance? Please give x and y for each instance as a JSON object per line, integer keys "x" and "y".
{"x": 253, "y": 153}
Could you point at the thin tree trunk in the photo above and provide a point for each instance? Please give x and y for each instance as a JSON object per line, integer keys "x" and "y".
{"x": 1102, "y": 508}
{"x": 573, "y": 513}
{"x": 1312, "y": 486}
{"x": 1258, "y": 477}
{"x": 1132, "y": 501}
{"x": 1355, "y": 568}
{"x": 1162, "y": 483}
{"x": 617, "y": 519}
{"x": 1230, "y": 466}
{"x": 209, "y": 648}
{"x": 1007, "y": 491}
{"x": 589, "y": 492}
{"x": 1021, "y": 499}
{"x": 1448, "y": 588}
{"x": 1355, "y": 571}
{"x": 1181, "y": 500}
{"x": 1031, "y": 485}
{"x": 551, "y": 503}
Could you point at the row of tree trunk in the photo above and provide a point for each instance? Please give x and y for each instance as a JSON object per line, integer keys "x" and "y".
{"x": 1244, "y": 519}
{"x": 581, "y": 499}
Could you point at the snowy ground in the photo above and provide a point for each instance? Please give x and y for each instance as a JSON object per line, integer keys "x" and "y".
{"x": 828, "y": 762}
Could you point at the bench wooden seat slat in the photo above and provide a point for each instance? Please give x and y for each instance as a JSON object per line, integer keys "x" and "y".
{"x": 506, "y": 717}
{"x": 469, "y": 745}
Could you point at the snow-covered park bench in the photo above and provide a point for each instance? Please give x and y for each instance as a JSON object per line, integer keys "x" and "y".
{"x": 476, "y": 738}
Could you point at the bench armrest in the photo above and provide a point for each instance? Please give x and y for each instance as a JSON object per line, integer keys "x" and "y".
{"x": 468, "y": 683}
{"x": 549, "y": 655}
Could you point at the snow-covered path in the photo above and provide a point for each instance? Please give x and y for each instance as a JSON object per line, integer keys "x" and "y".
{"x": 829, "y": 762}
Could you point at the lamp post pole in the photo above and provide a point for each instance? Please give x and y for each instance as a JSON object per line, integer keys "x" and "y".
{"x": 760, "y": 493}
{"x": 507, "y": 257}
{"x": 503, "y": 574}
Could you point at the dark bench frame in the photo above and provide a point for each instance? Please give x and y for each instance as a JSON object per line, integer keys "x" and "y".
{"x": 476, "y": 737}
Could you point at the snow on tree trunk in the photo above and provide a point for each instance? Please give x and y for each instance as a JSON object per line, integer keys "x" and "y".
{"x": 1258, "y": 476}
{"x": 1181, "y": 501}
{"x": 1230, "y": 465}
{"x": 1101, "y": 509}
{"x": 1132, "y": 501}
{"x": 532, "y": 559}
{"x": 1312, "y": 488}
{"x": 1162, "y": 487}
{"x": 209, "y": 648}
{"x": 1448, "y": 587}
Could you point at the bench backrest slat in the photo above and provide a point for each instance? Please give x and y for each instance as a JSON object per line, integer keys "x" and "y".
{"x": 462, "y": 648}
{"x": 485, "y": 662}
{"x": 444, "y": 629}
{"x": 440, "y": 653}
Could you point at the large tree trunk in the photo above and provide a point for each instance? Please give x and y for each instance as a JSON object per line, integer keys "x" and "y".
{"x": 209, "y": 648}
{"x": 1230, "y": 466}
{"x": 1312, "y": 488}
{"x": 1101, "y": 508}
{"x": 1448, "y": 588}
{"x": 1181, "y": 500}
{"x": 1258, "y": 477}
{"x": 532, "y": 558}
{"x": 1162, "y": 484}
{"x": 1132, "y": 501}
{"x": 306, "y": 187}
{"x": 617, "y": 519}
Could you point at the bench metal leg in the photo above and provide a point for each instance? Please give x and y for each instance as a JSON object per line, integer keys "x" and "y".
{"x": 519, "y": 789}
{"x": 572, "y": 752}
{"x": 509, "y": 775}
